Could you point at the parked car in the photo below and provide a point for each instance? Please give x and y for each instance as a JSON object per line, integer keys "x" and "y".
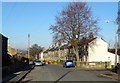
{"x": 68, "y": 63}
{"x": 37, "y": 62}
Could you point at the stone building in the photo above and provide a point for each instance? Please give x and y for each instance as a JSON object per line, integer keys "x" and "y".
{"x": 96, "y": 50}
{"x": 11, "y": 51}
{"x": 62, "y": 52}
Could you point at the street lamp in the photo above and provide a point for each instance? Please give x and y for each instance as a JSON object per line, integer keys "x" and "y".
{"x": 115, "y": 22}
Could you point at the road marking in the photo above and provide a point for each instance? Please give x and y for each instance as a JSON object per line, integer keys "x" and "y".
{"x": 62, "y": 77}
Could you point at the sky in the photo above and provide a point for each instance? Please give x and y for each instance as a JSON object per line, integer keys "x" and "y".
{"x": 21, "y": 18}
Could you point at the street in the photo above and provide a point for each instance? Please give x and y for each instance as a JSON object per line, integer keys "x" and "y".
{"x": 58, "y": 73}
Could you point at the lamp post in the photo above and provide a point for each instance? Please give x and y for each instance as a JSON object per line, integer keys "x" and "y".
{"x": 115, "y": 23}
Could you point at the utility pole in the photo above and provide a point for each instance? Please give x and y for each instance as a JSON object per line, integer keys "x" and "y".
{"x": 29, "y": 46}
{"x": 118, "y": 22}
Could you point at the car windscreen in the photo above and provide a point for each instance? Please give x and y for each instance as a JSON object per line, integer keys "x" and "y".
{"x": 37, "y": 61}
{"x": 69, "y": 61}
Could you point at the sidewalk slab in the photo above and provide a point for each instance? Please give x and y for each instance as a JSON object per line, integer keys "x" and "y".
{"x": 16, "y": 77}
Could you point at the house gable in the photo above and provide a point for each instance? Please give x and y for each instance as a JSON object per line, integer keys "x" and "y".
{"x": 97, "y": 50}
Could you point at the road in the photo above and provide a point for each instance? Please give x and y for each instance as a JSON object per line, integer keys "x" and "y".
{"x": 58, "y": 73}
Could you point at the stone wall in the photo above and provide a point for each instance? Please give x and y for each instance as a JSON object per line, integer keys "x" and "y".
{"x": 15, "y": 66}
{"x": 96, "y": 65}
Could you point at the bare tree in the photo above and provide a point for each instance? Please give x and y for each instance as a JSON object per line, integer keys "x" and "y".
{"x": 35, "y": 50}
{"x": 73, "y": 23}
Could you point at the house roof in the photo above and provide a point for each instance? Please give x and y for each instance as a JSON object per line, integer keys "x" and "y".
{"x": 3, "y": 36}
{"x": 85, "y": 41}
{"x": 81, "y": 42}
{"x": 113, "y": 51}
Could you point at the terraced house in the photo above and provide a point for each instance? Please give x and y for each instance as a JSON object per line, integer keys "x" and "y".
{"x": 96, "y": 50}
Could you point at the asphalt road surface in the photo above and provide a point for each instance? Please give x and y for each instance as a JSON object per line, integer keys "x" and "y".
{"x": 55, "y": 73}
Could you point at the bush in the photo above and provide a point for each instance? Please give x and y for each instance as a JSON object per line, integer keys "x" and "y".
{"x": 112, "y": 66}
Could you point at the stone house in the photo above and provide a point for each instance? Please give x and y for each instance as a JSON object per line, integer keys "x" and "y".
{"x": 62, "y": 52}
{"x": 96, "y": 50}
{"x": 11, "y": 51}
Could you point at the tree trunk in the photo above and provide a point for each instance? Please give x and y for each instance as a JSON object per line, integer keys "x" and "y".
{"x": 75, "y": 48}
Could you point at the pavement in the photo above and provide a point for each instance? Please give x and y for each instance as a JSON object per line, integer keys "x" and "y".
{"x": 17, "y": 76}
